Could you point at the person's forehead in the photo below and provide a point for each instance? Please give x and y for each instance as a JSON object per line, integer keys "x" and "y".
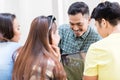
{"x": 79, "y": 22}
{"x": 78, "y": 17}
{"x": 76, "y": 20}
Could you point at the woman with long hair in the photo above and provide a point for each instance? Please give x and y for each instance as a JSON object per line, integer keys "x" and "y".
{"x": 39, "y": 58}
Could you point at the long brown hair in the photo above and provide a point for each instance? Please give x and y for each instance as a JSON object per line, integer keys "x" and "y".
{"x": 36, "y": 51}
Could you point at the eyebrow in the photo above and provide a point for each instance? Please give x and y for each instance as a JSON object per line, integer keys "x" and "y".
{"x": 76, "y": 23}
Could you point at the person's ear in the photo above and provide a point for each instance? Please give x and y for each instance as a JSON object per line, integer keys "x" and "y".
{"x": 104, "y": 23}
{"x": 89, "y": 19}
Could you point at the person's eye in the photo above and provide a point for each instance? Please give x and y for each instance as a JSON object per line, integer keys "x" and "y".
{"x": 78, "y": 24}
{"x": 18, "y": 28}
{"x": 71, "y": 24}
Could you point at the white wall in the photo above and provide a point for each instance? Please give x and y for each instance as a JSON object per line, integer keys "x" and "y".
{"x": 29, "y": 9}
{"x": 67, "y": 3}
{"x": 113, "y": 1}
{"x": 26, "y": 11}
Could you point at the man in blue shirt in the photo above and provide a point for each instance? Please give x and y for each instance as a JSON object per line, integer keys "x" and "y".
{"x": 78, "y": 35}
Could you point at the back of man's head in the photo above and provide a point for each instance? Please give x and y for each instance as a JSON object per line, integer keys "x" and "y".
{"x": 78, "y": 7}
{"x": 110, "y": 11}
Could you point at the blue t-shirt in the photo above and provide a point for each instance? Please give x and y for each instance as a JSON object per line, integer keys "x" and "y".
{"x": 7, "y": 49}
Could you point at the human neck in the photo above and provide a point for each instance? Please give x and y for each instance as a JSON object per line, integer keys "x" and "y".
{"x": 116, "y": 29}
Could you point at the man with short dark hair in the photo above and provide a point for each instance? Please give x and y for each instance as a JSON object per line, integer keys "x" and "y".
{"x": 76, "y": 37}
{"x": 102, "y": 61}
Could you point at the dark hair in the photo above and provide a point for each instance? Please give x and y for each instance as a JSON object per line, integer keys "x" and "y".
{"x": 6, "y": 26}
{"x": 51, "y": 19}
{"x": 110, "y": 11}
{"x": 37, "y": 51}
{"x": 78, "y": 7}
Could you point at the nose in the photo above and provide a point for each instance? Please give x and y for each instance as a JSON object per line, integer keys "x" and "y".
{"x": 75, "y": 28}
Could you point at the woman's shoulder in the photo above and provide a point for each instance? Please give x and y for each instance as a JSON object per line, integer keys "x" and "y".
{"x": 14, "y": 43}
{"x": 9, "y": 46}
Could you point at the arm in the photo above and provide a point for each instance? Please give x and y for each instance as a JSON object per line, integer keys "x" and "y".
{"x": 82, "y": 55}
{"x": 90, "y": 78}
{"x": 56, "y": 51}
{"x": 16, "y": 53}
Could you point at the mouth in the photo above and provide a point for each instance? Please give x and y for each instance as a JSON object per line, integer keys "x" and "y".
{"x": 78, "y": 32}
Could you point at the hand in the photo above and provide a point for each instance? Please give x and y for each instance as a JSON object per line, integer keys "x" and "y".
{"x": 56, "y": 51}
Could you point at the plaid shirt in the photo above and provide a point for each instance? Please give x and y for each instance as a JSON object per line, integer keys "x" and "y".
{"x": 70, "y": 44}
